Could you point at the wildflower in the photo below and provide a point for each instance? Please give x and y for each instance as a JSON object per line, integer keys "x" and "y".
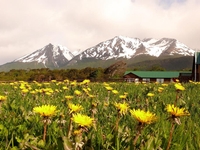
{"x": 122, "y": 96}
{"x": 3, "y": 98}
{"x": 142, "y": 116}
{"x": 91, "y": 96}
{"x": 82, "y": 120}
{"x": 45, "y": 83}
{"x": 24, "y": 91}
{"x": 109, "y": 88}
{"x": 56, "y": 90}
{"x": 125, "y": 93}
{"x": 176, "y": 111}
{"x": 33, "y": 92}
{"x": 38, "y": 84}
{"x": 160, "y": 89}
{"x": 106, "y": 104}
{"x": 77, "y": 92}
{"x": 74, "y": 108}
{"x": 64, "y": 88}
{"x": 85, "y": 90}
{"x": 179, "y": 87}
{"x": 150, "y": 94}
{"x": 86, "y": 81}
{"x": 68, "y": 97}
{"x": 66, "y": 80}
{"x": 89, "y": 89}
{"x": 11, "y": 83}
{"x": 48, "y": 93}
{"x": 73, "y": 83}
{"x": 164, "y": 84}
{"x": 122, "y": 107}
{"x": 53, "y": 81}
{"x": 115, "y": 92}
{"x": 45, "y": 110}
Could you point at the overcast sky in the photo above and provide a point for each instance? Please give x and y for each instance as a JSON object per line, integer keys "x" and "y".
{"x": 28, "y": 25}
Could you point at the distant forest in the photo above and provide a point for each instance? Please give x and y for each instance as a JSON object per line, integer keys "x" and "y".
{"x": 113, "y": 72}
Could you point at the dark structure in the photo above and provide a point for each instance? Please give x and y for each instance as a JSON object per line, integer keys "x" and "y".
{"x": 196, "y": 67}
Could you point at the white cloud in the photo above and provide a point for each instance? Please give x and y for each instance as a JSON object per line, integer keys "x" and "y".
{"x": 27, "y": 25}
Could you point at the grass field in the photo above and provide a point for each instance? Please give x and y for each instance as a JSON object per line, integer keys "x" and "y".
{"x": 99, "y": 116}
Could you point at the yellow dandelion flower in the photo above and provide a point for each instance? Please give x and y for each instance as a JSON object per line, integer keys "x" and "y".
{"x": 106, "y": 104}
{"x": 64, "y": 88}
{"x": 33, "y": 92}
{"x": 105, "y": 84}
{"x": 86, "y": 81}
{"x": 45, "y": 110}
{"x": 24, "y": 91}
{"x": 89, "y": 89}
{"x": 150, "y": 94}
{"x": 66, "y": 81}
{"x": 164, "y": 84}
{"x": 115, "y": 92}
{"x": 122, "y": 107}
{"x": 69, "y": 97}
{"x": 77, "y": 92}
{"x": 53, "y": 81}
{"x": 125, "y": 93}
{"x": 74, "y": 108}
{"x": 160, "y": 89}
{"x": 176, "y": 111}
{"x": 122, "y": 96}
{"x": 143, "y": 117}
{"x": 73, "y": 83}
{"x": 12, "y": 83}
{"x": 48, "y": 93}
{"x": 38, "y": 84}
{"x": 91, "y": 96}
{"x": 82, "y": 120}
{"x": 57, "y": 90}
{"x": 179, "y": 87}
{"x": 3, "y": 98}
{"x": 85, "y": 90}
{"x": 109, "y": 88}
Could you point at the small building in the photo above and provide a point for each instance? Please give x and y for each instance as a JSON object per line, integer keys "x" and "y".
{"x": 196, "y": 67}
{"x": 156, "y": 76}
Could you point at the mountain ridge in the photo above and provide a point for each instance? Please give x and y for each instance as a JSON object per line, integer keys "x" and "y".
{"x": 120, "y": 47}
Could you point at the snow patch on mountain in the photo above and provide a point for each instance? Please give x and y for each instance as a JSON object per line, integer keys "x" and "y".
{"x": 126, "y": 47}
{"x": 50, "y": 54}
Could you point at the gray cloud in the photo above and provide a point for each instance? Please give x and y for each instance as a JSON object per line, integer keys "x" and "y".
{"x": 26, "y": 26}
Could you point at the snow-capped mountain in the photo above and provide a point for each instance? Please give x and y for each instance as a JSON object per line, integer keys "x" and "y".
{"x": 126, "y": 47}
{"x": 57, "y": 56}
{"x": 50, "y": 55}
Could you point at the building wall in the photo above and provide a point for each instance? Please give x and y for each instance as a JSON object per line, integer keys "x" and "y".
{"x": 133, "y": 78}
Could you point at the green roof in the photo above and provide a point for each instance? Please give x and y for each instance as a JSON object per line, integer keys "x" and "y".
{"x": 154, "y": 74}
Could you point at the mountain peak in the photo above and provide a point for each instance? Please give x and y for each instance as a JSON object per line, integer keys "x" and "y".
{"x": 49, "y": 55}
{"x": 125, "y": 47}
{"x": 58, "y": 56}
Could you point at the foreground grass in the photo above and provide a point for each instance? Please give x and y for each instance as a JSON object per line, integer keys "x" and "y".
{"x": 23, "y": 128}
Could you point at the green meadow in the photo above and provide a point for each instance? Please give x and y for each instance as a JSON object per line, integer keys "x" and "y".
{"x": 112, "y": 128}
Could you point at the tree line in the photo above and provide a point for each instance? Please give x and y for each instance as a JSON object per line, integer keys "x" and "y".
{"x": 114, "y": 71}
